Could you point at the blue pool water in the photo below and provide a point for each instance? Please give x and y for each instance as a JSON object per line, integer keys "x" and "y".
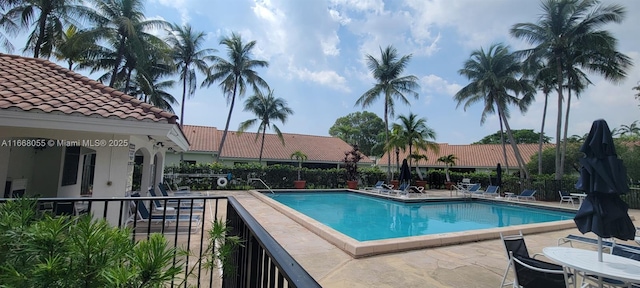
{"x": 371, "y": 218}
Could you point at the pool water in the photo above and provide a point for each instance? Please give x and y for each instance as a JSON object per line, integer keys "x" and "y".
{"x": 371, "y": 218}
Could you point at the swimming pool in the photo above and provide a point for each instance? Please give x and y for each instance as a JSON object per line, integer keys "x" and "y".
{"x": 366, "y": 218}
{"x": 403, "y": 211}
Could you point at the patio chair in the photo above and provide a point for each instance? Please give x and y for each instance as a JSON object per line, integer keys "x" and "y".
{"x": 64, "y": 208}
{"x": 143, "y": 215}
{"x": 515, "y": 246}
{"x": 566, "y": 197}
{"x": 527, "y": 194}
{"x": 403, "y": 189}
{"x": 492, "y": 191}
{"x": 159, "y": 206}
{"x": 165, "y": 192}
{"x": 377, "y": 187}
{"x": 534, "y": 273}
{"x": 474, "y": 190}
{"x": 174, "y": 202}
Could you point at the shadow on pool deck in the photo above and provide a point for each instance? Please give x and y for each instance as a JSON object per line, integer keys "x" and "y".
{"x": 475, "y": 264}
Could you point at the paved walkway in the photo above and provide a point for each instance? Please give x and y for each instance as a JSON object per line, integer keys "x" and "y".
{"x": 476, "y": 264}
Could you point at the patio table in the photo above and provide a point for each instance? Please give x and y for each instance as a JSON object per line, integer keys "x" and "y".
{"x": 612, "y": 266}
{"x": 580, "y": 196}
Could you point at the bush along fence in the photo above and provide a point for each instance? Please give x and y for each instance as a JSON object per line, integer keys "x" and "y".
{"x": 282, "y": 177}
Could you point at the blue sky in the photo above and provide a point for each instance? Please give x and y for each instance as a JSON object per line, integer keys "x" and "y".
{"x": 316, "y": 51}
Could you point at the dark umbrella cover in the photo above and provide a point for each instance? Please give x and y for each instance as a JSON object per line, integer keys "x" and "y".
{"x": 405, "y": 172}
{"x": 498, "y": 175}
{"x": 603, "y": 178}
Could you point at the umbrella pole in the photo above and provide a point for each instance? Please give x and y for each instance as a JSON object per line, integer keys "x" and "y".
{"x": 599, "y": 249}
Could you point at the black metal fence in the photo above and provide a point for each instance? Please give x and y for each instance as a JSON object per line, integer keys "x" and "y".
{"x": 185, "y": 221}
{"x": 262, "y": 261}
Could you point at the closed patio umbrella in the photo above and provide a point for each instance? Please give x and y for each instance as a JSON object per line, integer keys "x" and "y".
{"x": 498, "y": 175}
{"x": 405, "y": 173}
{"x": 603, "y": 178}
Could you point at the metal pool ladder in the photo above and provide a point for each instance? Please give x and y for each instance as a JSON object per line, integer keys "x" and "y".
{"x": 260, "y": 180}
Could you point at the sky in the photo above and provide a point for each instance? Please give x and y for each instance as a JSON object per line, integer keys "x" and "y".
{"x": 316, "y": 52}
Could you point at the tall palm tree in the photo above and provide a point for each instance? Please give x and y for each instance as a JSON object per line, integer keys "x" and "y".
{"x": 235, "y": 75}
{"x": 48, "y": 19}
{"x": 495, "y": 83}
{"x": 268, "y": 109}
{"x": 569, "y": 28}
{"x": 448, "y": 161}
{"x": 187, "y": 55}
{"x": 7, "y": 24}
{"x": 123, "y": 26}
{"x": 387, "y": 71}
{"x": 76, "y": 47}
{"x": 544, "y": 79}
{"x": 415, "y": 131}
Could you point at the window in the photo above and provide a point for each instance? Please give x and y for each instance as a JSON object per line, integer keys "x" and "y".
{"x": 70, "y": 168}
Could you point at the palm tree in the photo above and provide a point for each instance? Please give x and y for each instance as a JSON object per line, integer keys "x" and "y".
{"x": 544, "y": 79}
{"x": 414, "y": 131}
{"x": 7, "y": 25}
{"x": 187, "y": 55}
{"x": 395, "y": 143}
{"x": 448, "y": 161}
{"x": 76, "y": 47}
{"x": 268, "y": 109}
{"x": 632, "y": 129}
{"x": 387, "y": 72}
{"x": 494, "y": 75}
{"x": 235, "y": 74}
{"x": 300, "y": 157}
{"x": 122, "y": 25}
{"x": 48, "y": 18}
{"x": 567, "y": 35}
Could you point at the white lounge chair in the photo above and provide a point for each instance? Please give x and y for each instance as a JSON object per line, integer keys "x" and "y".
{"x": 565, "y": 197}
{"x": 377, "y": 187}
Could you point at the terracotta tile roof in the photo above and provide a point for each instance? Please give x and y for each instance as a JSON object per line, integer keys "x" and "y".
{"x": 37, "y": 85}
{"x": 471, "y": 156}
{"x": 317, "y": 148}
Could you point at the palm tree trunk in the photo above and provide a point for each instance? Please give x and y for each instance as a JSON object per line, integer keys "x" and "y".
{"x": 184, "y": 95}
{"x": 566, "y": 128}
{"x": 386, "y": 135}
{"x": 559, "y": 124}
{"x": 410, "y": 155}
{"x": 514, "y": 145}
{"x": 504, "y": 146}
{"x": 264, "y": 131}
{"x": 226, "y": 127}
{"x": 42, "y": 23}
{"x": 544, "y": 117}
{"x": 116, "y": 64}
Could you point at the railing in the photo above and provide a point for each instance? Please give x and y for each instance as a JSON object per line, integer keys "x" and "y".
{"x": 189, "y": 232}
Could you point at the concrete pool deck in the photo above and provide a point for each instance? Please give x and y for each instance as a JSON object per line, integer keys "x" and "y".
{"x": 475, "y": 264}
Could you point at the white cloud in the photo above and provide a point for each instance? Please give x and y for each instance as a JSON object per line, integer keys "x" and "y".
{"x": 434, "y": 83}
{"x": 327, "y": 78}
{"x": 361, "y": 5}
{"x": 339, "y": 17}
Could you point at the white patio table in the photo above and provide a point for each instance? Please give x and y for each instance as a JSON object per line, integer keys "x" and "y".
{"x": 580, "y": 196}
{"x": 612, "y": 266}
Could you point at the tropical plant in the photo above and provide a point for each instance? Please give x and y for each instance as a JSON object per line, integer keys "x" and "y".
{"x": 415, "y": 132}
{"x": 630, "y": 130}
{"x": 360, "y": 128}
{"x": 637, "y": 88}
{"x": 416, "y": 156}
{"x": 235, "y": 74}
{"x": 300, "y": 157}
{"x": 8, "y": 25}
{"x": 48, "y": 19}
{"x": 351, "y": 159}
{"x": 268, "y": 109}
{"x": 387, "y": 71}
{"x": 522, "y": 136}
{"x": 187, "y": 55}
{"x": 77, "y": 251}
{"x": 495, "y": 83}
{"x": 395, "y": 143}
{"x": 566, "y": 36}
{"x": 448, "y": 161}
{"x": 121, "y": 25}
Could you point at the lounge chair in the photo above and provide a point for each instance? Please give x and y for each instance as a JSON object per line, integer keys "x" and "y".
{"x": 143, "y": 215}
{"x": 637, "y": 235}
{"x": 417, "y": 189}
{"x": 492, "y": 191}
{"x": 401, "y": 190}
{"x": 175, "y": 202}
{"x": 172, "y": 207}
{"x": 607, "y": 243}
{"x": 527, "y": 194}
{"x": 474, "y": 190}
{"x": 566, "y": 197}
{"x": 516, "y": 248}
{"x": 377, "y": 187}
{"x": 163, "y": 189}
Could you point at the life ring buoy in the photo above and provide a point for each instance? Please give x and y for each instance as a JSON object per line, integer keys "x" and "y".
{"x": 222, "y": 182}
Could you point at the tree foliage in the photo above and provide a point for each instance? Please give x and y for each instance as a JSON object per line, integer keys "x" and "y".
{"x": 521, "y": 136}
{"x": 361, "y": 128}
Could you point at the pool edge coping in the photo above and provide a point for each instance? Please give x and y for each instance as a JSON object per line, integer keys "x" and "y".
{"x": 359, "y": 249}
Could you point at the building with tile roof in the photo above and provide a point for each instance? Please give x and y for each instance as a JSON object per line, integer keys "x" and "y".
{"x": 63, "y": 134}
{"x": 471, "y": 158}
{"x": 322, "y": 151}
